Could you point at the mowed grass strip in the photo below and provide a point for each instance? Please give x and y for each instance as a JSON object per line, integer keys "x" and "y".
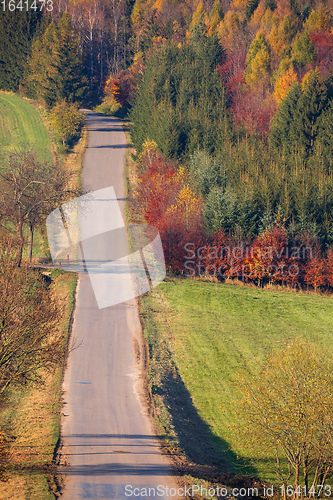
{"x": 220, "y": 331}
{"x": 22, "y": 127}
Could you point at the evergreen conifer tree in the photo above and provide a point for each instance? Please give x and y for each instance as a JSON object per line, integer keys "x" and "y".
{"x": 17, "y": 29}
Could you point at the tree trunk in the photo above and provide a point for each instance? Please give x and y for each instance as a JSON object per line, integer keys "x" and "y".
{"x": 101, "y": 59}
{"x": 116, "y": 48}
{"x": 30, "y": 243}
{"x": 19, "y": 232}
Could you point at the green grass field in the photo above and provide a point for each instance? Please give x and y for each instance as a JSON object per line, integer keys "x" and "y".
{"x": 214, "y": 332}
{"x": 22, "y": 127}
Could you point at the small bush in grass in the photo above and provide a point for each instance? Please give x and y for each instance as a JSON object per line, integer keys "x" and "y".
{"x": 108, "y": 106}
{"x": 66, "y": 121}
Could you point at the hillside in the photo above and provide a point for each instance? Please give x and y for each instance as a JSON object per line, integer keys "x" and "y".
{"x": 202, "y": 338}
{"x": 22, "y": 127}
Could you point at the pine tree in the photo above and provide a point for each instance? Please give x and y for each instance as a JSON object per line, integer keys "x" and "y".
{"x": 297, "y": 122}
{"x": 180, "y": 103}
{"x": 302, "y": 50}
{"x": 251, "y": 7}
{"x": 54, "y": 71}
{"x": 325, "y": 136}
{"x": 17, "y": 30}
{"x": 215, "y": 17}
{"x": 66, "y": 80}
{"x": 283, "y": 121}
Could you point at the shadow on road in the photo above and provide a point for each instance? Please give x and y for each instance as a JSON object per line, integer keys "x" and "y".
{"x": 107, "y": 129}
{"x": 112, "y": 146}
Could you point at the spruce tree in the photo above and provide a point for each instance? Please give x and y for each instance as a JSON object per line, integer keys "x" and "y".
{"x": 54, "y": 70}
{"x": 283, "y": 123}
{"x": 17, "y": 30}
{"x": 297, "y": 123}
{"x": 180, "y": 102}
{"x": 66, "y": 80}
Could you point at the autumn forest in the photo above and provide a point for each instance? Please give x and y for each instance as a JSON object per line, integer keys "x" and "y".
{"x": 230, "y": 107}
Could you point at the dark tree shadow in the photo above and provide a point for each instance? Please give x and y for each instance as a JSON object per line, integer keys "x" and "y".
{"x": 208, "y": 454}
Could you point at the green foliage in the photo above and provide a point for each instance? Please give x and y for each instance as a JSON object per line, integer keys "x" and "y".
{"x": 251, "y": 7}
{"x": 206, "y": 171}
{"x": 180, "y": 102}
{"x": 302, "y": 50}
{"x": 244, "y": 185}
{"x": 288, "y": 30}
{"x": 54, "y": 70}
{"x": 55, "y": 273}
{"x": 258, "y": 45}
{"x": 297, "y": 122}
{"x": 181, "y": 105}
{"x": 324, "y": 142}
{"x": 216, "y": 14}
{"x": 17, "y": 30}
{"x": 219, "y": 331}
{"x": 283, "y": 133}
{"x": 108, "y": 106}
{"x": 66, "y": 121}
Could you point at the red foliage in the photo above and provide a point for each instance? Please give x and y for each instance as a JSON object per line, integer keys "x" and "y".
{"x": 169, "y": 205}
{"x": 250, "y": 109}
{"x": 159, "y": 186}
{"x": 232, "y": 75}
{"x": 315, "y": 272}
{"x": 329, "y": 268}
{"x": 323, "y": 42}
{"x": 254, "y": 112}
{"x": 122, "y": 88}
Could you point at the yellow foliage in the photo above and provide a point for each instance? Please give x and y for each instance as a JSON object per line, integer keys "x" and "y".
{"x": 108, "y": 85}
{"x": 149, "y": 152}
{"x": 158, "y": 5}
{"x": 284, "y": 83}
{"x": 276, "y": 42}
{"x": 181, "y": 173}
{"x": 187, "y": 206}
{"x": 138, "y": 14}
{"x": 215, "y": 17}
{"x": 239, "y": 4}
{"x": 263, "y": 19}
{"x": 230, "y": 28}
{"x": 317, "y": 21}
{"x": 309, "y": 77}
{"x": 281, "y": 35}
{"x": 199, "y": 15}
{"x": 258, "y": 72}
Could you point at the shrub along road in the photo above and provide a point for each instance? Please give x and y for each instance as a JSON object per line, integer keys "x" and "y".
{"x": 107, "y": 436}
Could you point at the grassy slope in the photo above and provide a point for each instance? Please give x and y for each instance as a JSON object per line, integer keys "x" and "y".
{"x": 21, "y": 126}
{"x": 31, "y": 420}
{"x": 31, "y": 417}
{"x": 214, "y": 332}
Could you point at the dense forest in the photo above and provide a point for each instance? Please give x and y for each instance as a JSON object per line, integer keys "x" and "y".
{"x": 231, "y": 106}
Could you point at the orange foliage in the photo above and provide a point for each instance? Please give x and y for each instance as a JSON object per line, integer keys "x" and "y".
{"x": 284, "y": 83}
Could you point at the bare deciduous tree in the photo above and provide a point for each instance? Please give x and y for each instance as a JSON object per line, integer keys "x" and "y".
{"x": 30, "y": 190}
{"x": 289, "y": 408}
{"x": 29, "y": 318}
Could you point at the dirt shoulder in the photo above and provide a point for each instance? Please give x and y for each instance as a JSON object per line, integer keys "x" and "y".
{"x": 30, "y": 418}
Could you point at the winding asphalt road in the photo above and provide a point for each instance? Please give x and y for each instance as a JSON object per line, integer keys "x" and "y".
{"x": 107, "y": 435}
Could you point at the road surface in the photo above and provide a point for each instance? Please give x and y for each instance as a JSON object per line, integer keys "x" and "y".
{"x": 107, "y": 435}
